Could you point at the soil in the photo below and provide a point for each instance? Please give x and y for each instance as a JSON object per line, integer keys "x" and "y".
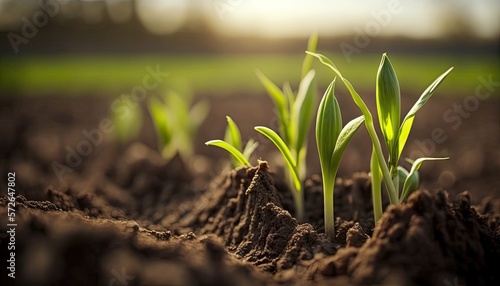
{"x": 125, "y": 216}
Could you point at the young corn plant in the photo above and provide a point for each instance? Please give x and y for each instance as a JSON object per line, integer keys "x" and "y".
{"x": 232, "y": 144}
{"x": 331, "y": 140}
{"x": 176, "y": 123}
{"x": 128, "y": 121}
{"x": 395, "y": 135}
{"x": 295, "y": 116}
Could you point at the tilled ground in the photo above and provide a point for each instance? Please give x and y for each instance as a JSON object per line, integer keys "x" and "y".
{"x": 125, "y": 216}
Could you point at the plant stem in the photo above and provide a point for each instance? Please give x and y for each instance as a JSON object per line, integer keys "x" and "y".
{"x": 383, "y": 166}
{"x": 299, "y": 206}
{"x": 395, "y": 179}
{"x": 298, "y": 197}
{"x": 328, "y": 189}
{"x": 376, "y": 187}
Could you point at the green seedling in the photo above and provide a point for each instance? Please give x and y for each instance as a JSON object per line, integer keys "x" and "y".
{"x": 395, "y": 135}
{"x": 331, "y": 140}
{"x": 232, "y": 144}
{"x": 127, "y": 119}
{"x": 295, "y": 116}
{"x": 176, "y": 123}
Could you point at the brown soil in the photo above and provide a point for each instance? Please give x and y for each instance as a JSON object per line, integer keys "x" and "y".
{"x": 125, "y": 216}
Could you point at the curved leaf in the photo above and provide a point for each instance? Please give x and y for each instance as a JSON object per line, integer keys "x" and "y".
{"x": 304, "y": 109}
{"x": 343, "y": 140}
{"x": 233, "y": 135}
{"x": 250, "y": 147}
{"x": 354, "y": 94}
{"x": 414, "y": 168}
{"x": 410, "y": 186}
{"x": 404, "y": 131}
{"x": 280, "y": 102}
{"x": 287, "y": 155}
{"x": 233, "y": 151}
{"x": 311, "y": 46}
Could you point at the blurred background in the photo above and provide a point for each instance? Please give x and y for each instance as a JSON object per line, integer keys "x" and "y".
{"x": 95, "y": 46}
{"x": 55, "y": 50}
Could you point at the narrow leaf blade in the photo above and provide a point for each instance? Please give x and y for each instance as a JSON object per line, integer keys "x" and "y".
{"x": 287, "y": 155}
{"x": 414, "y": 168}
{"x": 304, "y": 109}
{"x": 354, "y": 94}
{"x": 233, "y": 151}
{"x": 311, "y": 46}
{"x": 376, "y": 178}
{"x": 233, "y": 135}
{"x": 158, "y": 112}
{"x": 343, "y": 140}
{"x": 404, "y": 131}
{"x": 250, "y": 147}
{"x": 280, "y": 101}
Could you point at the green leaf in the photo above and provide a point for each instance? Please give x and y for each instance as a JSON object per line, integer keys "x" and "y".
{"x": 328, "y": 127}
{"x": 127, "y": 125}
{"x": 280, "y": 102}
{"x": 343, "y": 140}
{"x": 311, "y": 46}
{"x": 233, "y": 151}
{"x": 233, "y": 135}
{"x": 196, "y": 116}
{"x": 287, "y": 155}
{"x": 250, "y": 147}
{"x": 404, "y": 131}
{"x": 304, "y": 109}
{"x": 179, "y": 107}
{"x": 402, "y": 173}
{"x": 414, "y": 168}
{"x": 411, "y": 185}
{"x": 376, "y": 178}
{"x": 159, "y": 114}
{"x": 368, "y": 122}
{"x": 331, "y": 142}
{"x": 288, "y": 92}
{"x": 355, "y": 96}
{"x": 388, "y": 99}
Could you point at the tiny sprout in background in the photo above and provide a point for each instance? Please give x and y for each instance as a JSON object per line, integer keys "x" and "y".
{"x": 127, "y": 119}
{"x": 295, "y": 116}
{"x": 232, "y": 144}
{"x": 176, "y": 121}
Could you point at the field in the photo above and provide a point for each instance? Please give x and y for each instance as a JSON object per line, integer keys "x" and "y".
{"x": 224, "y": 74}
{"x": 92, "y": 210}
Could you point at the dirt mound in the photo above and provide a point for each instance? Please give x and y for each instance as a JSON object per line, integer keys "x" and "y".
{"x": 55, "y": 247}
{"x": 244, "y": 209}
{"x": 426, "y": 241}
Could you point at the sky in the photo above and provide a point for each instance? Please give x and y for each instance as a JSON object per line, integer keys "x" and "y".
{"x": 416, "y": 19}
{"x": 293, "y": 18}
{"x": 289, "y": 18}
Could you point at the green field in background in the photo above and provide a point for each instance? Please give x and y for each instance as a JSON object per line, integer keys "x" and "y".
{"x": 227, "y": 74}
